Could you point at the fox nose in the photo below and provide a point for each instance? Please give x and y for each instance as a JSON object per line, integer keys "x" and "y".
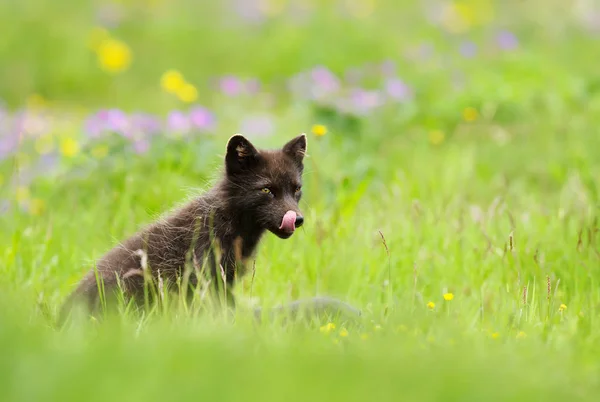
{"x": 299, "y": 221}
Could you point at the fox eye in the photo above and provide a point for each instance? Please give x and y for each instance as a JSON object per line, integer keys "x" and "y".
{"x": 298, "y": 189}
{"x": 266, "y": 190}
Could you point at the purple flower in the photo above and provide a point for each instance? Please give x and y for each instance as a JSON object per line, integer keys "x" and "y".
{"x": 201, "y": 118}
{"x": 364, "y": 101}
{"x": 178, "y": 122}
{"x": 325, "y": 80}
{"x": 507, "y": 40}
{"x": 111, "y": 120}
{"x": 397, "y": 89}
{"x": 8, "y": 145}
{"x": 257, "y": 125}
{"x": 141, "y": 146}
{"x": 143, "y": 123}
{"x": 468, "y": 49}
{"x": 230, "y": 85}
{"x": 93, "y": 127}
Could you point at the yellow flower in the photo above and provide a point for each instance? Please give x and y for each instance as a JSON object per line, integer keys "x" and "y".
{"x": 436, "y": 137}
{"x": 521, "y": 335}
{"x": 319, "y": 130}
{"x": 172, "y": 80}
{"x": 364, "y": 337}
{"x": 96, "y": 37}
{"x": 344, "y": 332}
{"x": 69, "y": 147}
{"x": 495, "y": 335}
{"x": 37, "y": 206}
{"x": 448, "y": 296}
{"x": 114, "y": 56}
{"x": 44, "y": 145}
{"x": 22, "y": 194}
{"x": 562, "y": 307}
{"x": 187, "y": 93}
{"x": 431, "y": 305}
{"x": 100, "y": 151}
{"x": 470, "y": 114}
{"x": 327, "y": 328}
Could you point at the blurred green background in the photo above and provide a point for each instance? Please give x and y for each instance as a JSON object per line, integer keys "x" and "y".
{"x": 451, "y": 193}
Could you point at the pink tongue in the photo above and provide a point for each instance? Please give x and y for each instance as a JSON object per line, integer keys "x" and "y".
{"x": 289, "y": 221}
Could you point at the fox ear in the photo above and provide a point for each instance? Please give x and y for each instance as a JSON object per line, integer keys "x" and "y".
{"x": 296, "y": 148}
{"x": 241, "y": 154}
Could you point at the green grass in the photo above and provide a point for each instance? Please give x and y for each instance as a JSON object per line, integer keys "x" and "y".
{"x": 503, "y": 214}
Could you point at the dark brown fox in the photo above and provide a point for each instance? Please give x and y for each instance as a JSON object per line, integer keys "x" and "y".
{"x": 215, "y": 233}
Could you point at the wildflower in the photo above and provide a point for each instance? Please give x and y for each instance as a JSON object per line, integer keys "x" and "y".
{"x": 448, "y": 296}
{"x": 171, "y": 81}
{"x": 521, "y": 335}
{"x": 470, "y": 114}
{"x": 327, "y": 328}
{"x": 431, "y": 305}
{"x": 113, "y": 55}
{"x": 343, "y": 332}
{"x": 495, "y": 335}
{"x": 324, "y": 80}
{"x": 187, "y": 93}
{"x": 230, "y": 85}
{"x": 100, "y": 151}
{"x": 319, "y": 130}
{"x": 507, "y": 40}
{"x": 201, "y": 118}
{"x": 178, "y": 122}
{"x": 22, "y": 194}
{"x": 397, "y": 89}
{"x": 436, "y": 137}
{"x": 141, "y": 146}
{"x": 69, "y": 147}
{"x": 562, "y": 307}
{"x": 37, "y": 206}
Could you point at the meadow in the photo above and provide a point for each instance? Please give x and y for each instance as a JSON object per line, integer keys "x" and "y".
{"x": 451, "y": 193}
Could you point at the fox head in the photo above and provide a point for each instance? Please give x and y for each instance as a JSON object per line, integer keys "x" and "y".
{"x": 266, "y": 185}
